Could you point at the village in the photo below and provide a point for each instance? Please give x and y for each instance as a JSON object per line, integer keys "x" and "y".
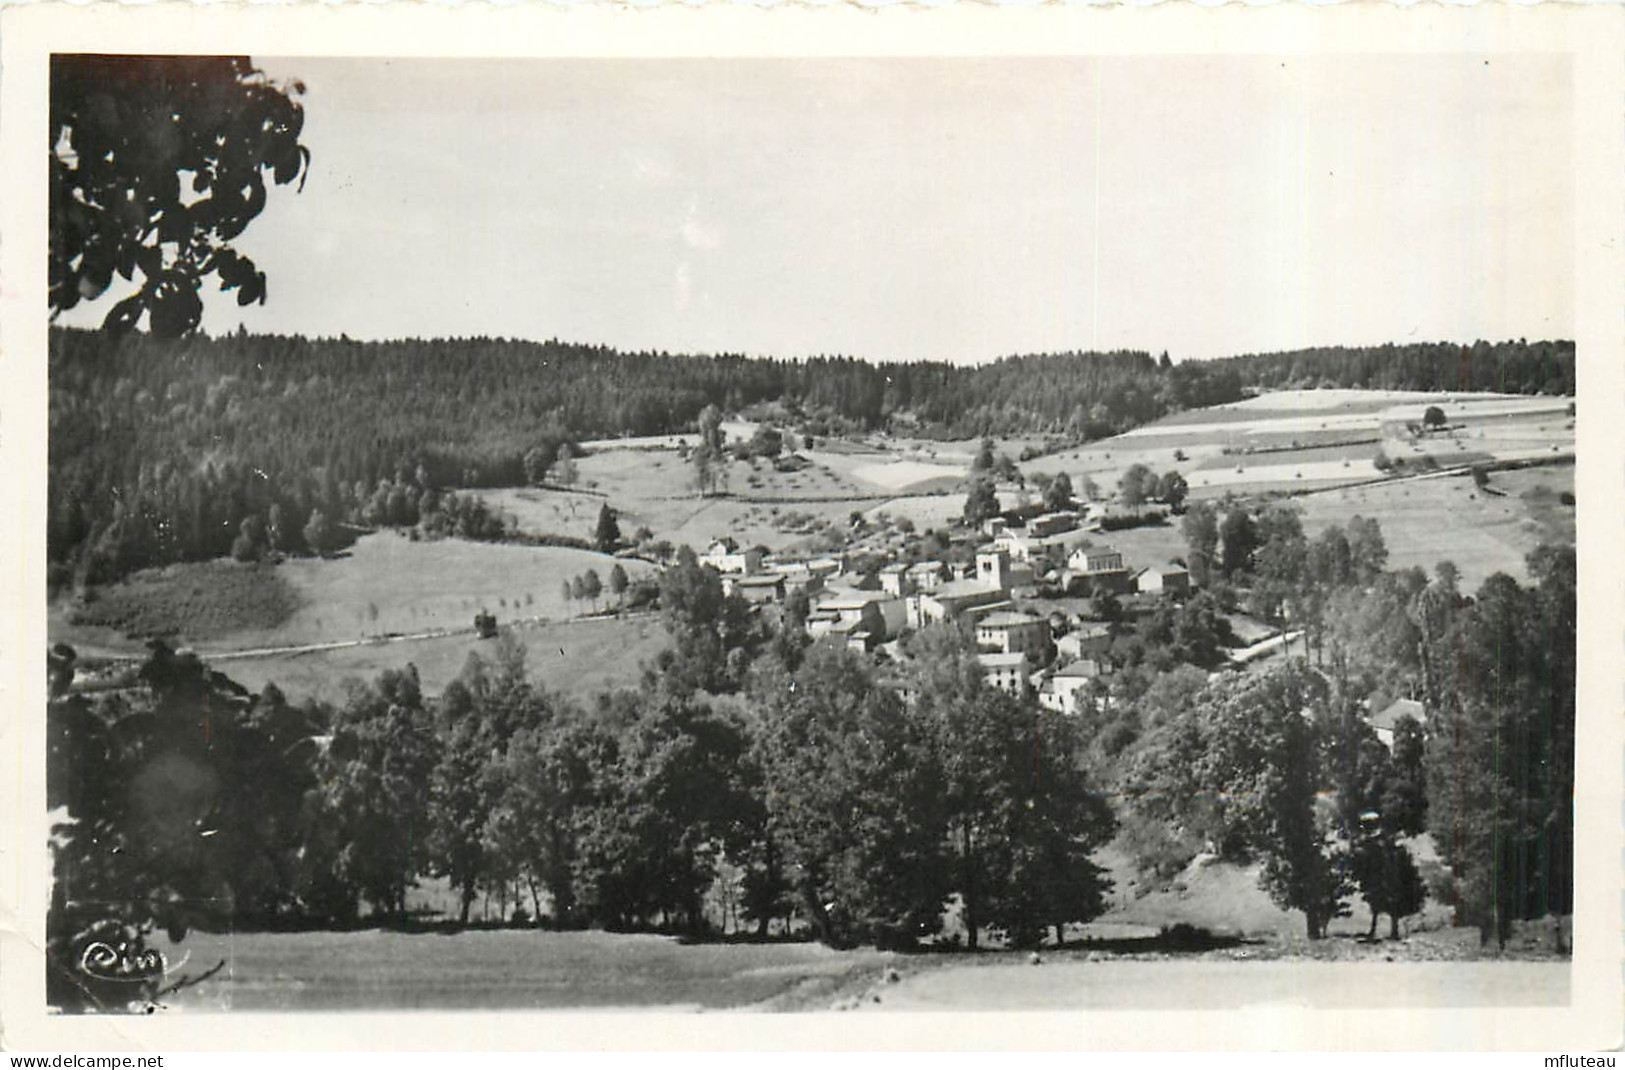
{"x": 1040, "y": 588}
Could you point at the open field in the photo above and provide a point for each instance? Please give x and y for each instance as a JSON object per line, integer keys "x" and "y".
{"x": 1343, "y": 451}
{"x": 578, "y": 657}
{"x": 1305, "y": 440}
{"x": 387, "y": 585}
{"x": 655, "y": 490}
{"x": 1144, "y": 547}
{"x": 525, "y": 969}
{"x": 1283, "y": 416}
{"x": 686, "y": 520}
{"x": 924, "y": 511}
{"x": 502, "y": 970}
{"x": 897, "y": 475}
{"x": 1276, "y": 404}
{"x": 1285, "y": 475}
{"x": 732, "y": 430}
{"x": 390, "y": 584}
{"x": 1314, "y": 442}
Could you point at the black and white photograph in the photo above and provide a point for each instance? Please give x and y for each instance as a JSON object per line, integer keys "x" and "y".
{"x": 1082, "y": 530}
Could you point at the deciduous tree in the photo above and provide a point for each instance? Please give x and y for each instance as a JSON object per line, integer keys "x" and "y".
{"x": 1173, "y": 489}
{"x": 854, "y": 800}
{"x": 1200, "y": 527}
{"x": 126, "y": 132}
{"x": 1240, "y": 536}
{"x": 1058, "y": 494}
{"x": 982, "y": 503}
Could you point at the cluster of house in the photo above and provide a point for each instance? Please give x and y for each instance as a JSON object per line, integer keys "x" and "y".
{"x": 990, "y": 590}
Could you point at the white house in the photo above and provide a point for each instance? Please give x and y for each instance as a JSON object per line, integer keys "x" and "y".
{"x": 758, "y": 587}
{"x": 1167, "y": 579}
{"x": 1015, "y": 543}
{"x": 925, "y": 575}
{"x": 1091, "y": 640}
{"x": 1066, "y": 689}
{"x": 1091, "y": 560}
{"x": 881, "y": 613}
{"x": 725, "y": 556}
{"x": 1052, "y": 524}
{"x": 948, "y": 600}
{"x": 1013, "y": 633}
{"x": 894, "y": 579}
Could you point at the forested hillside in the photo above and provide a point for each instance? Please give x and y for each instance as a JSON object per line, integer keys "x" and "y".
{"x": 167, "y": 450}
{"x": 1519, "y": 367}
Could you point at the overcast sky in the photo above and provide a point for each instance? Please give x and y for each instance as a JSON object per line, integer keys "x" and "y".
{"x": 924, "y": 208}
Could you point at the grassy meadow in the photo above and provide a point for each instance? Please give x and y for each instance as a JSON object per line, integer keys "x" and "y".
{"x": 386, "y": 589}
{"x": 1426, "y": 521}
{"x": 579, "y": 657}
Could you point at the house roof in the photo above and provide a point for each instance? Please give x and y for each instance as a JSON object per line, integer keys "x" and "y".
{"x": 1002, "y": 661}
{"x": 1085, "y": 667}
{"x": 770, "y": 579}
{"x": 1404, "y": 707}
{"x": 853, "y": 600}
{"x": 895, "y": 567}
{"x": 1006, "y": 620}
{"x": 961, "y": 589}
{"x": 1094, "y": 551}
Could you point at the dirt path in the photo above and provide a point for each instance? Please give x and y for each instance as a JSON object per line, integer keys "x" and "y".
{"x": 1219, "y": 984}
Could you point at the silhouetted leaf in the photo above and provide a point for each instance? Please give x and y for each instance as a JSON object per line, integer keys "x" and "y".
{"x": 122, "y": 317}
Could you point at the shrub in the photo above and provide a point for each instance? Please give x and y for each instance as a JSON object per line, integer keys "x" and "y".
{"x": 1184, "y": 937}
{"x": 1118, "y": 523}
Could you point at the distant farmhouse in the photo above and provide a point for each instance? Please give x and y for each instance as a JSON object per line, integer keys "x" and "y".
{"x": 1167, "y": 579}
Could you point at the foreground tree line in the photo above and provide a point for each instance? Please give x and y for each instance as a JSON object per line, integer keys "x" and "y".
{"x": 748, "y": 755}
{"x": 833, "y": 800}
